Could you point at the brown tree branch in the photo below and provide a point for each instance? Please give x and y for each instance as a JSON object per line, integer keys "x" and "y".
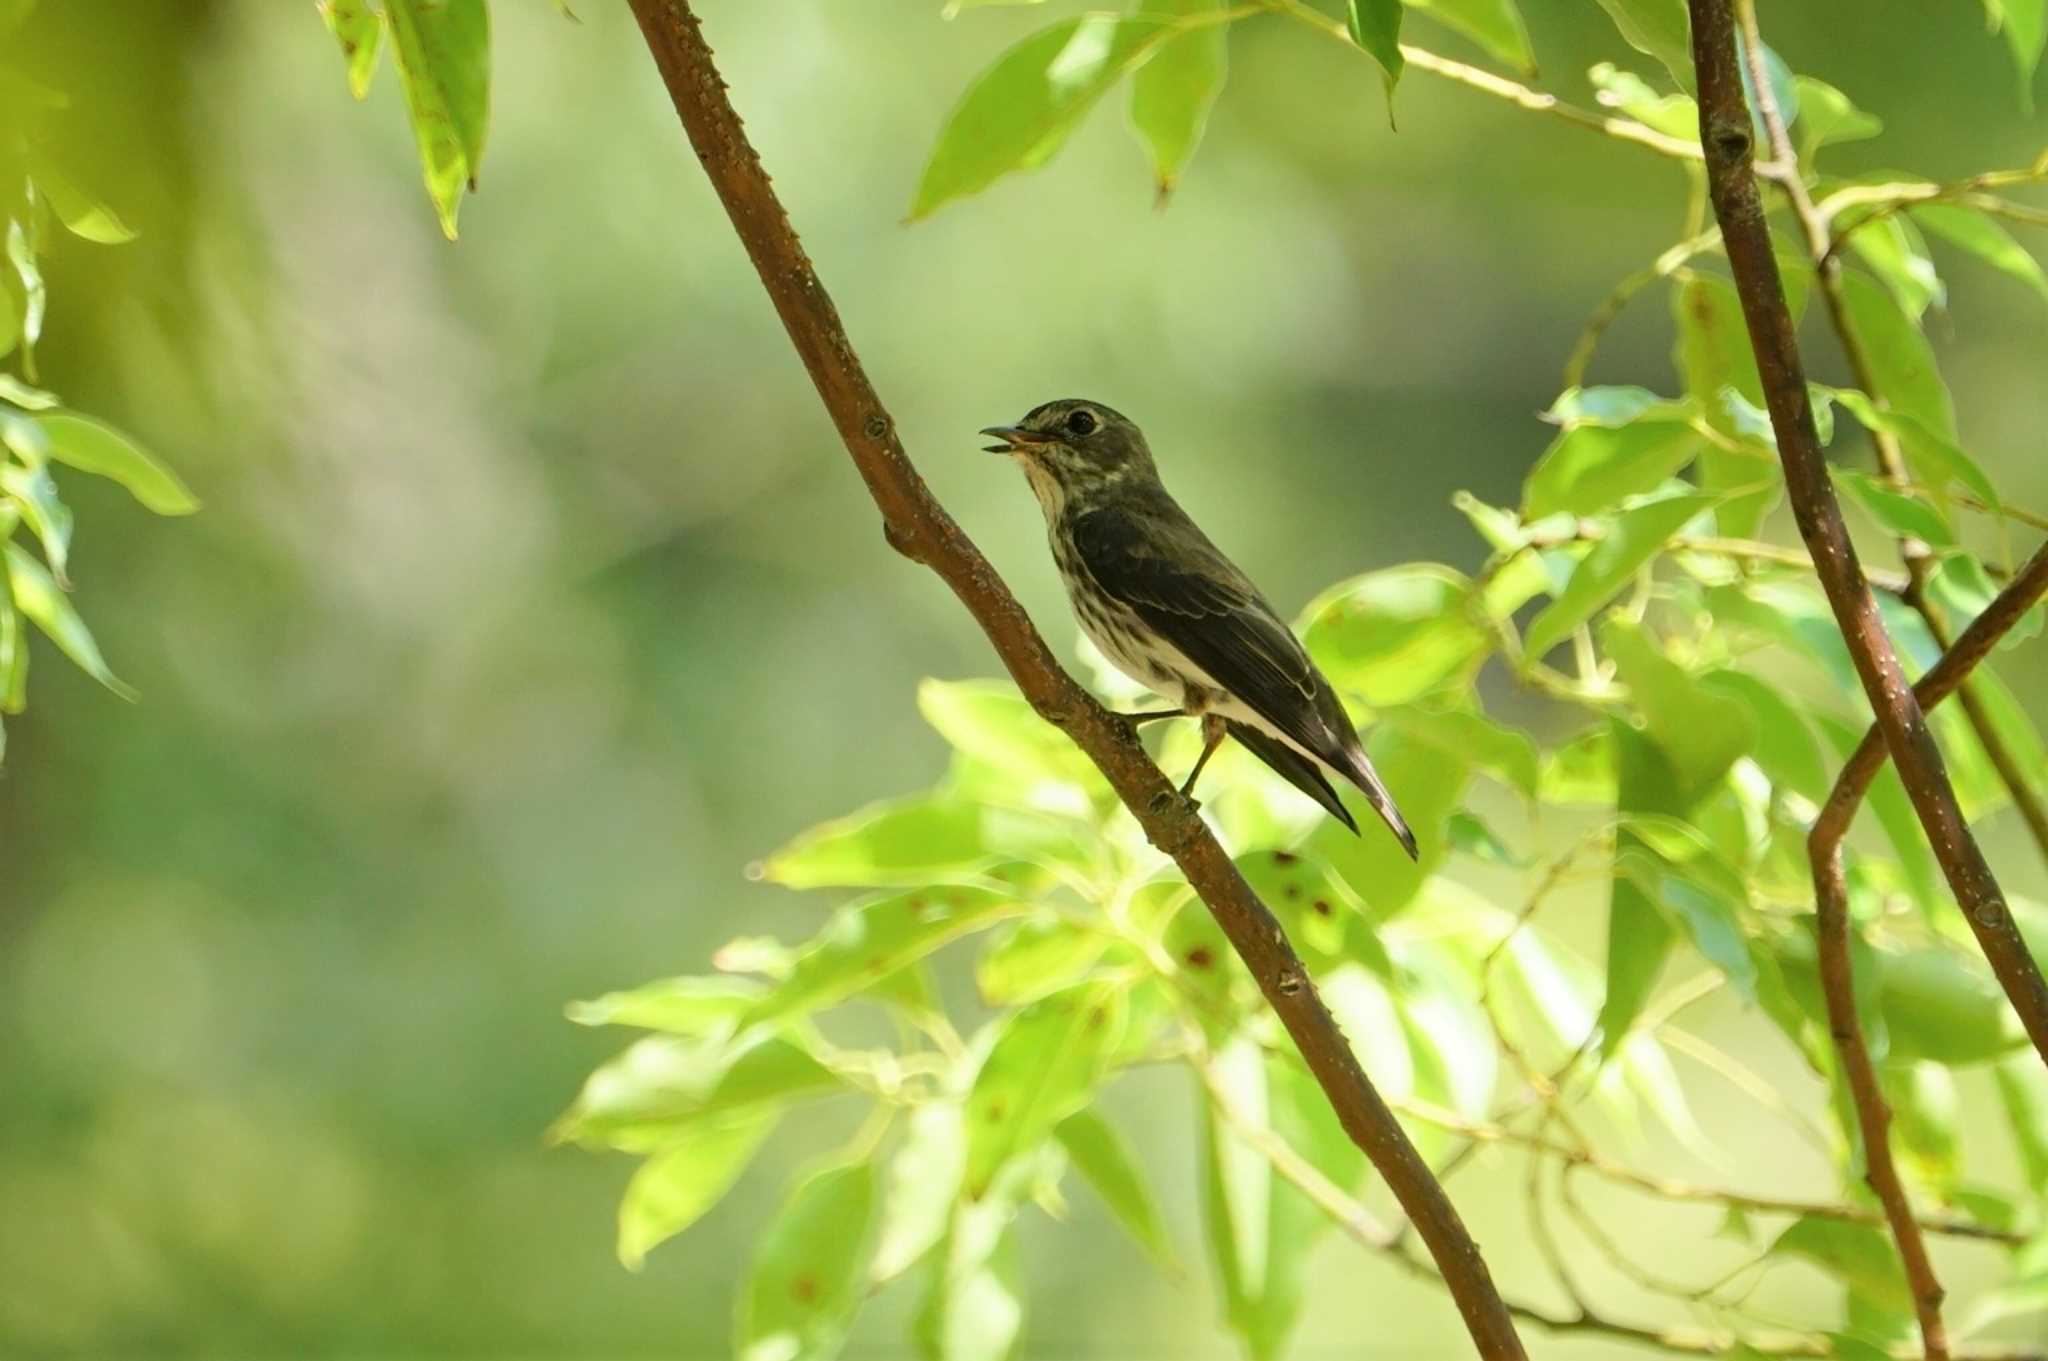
{"x": 1724, "y": 122}
{"x": 1783, "y": 168}
{"x": 1725, "y": 133}
{"x": 1831, "y": 903}
{"x": 917, "y": 526}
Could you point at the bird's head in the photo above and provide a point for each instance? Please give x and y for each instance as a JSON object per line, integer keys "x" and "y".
{"x": 1075, "y": 449}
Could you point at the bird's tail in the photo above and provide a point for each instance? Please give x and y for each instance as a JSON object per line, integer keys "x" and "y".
{"x": 1293, "y": 767}
{"x": 1359, "y": 770}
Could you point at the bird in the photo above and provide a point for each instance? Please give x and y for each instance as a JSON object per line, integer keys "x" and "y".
{"x": 1170, "y": 611}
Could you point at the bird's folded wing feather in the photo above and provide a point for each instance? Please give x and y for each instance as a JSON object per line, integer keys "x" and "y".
{"x": 1201, "y": 604}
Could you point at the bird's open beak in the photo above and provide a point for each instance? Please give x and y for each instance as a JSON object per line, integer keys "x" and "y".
{"x": 1014, "y": 438}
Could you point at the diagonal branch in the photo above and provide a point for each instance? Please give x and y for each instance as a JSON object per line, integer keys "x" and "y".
{"x": 917, "y": 526}
{"x": 1831, "y": 906}
{"x": 1725, "y": 128}
{"x": 1821, "y": 244}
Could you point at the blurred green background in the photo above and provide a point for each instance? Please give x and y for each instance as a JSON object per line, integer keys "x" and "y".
{"x": 534, "y": 598}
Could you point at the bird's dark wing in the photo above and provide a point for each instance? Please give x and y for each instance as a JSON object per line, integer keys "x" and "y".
{"x": 1180, "y": 585}
{"x": 1293, "y": 767}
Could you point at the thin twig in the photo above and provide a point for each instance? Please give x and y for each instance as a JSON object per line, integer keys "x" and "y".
{"x": 1663, "y": 267}
{"x": 1472, "y": 77}
{"x": 916, "y": 525}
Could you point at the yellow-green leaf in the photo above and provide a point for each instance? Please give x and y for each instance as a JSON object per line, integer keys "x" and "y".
{"x": 805, "y": 1286}
{"x": 444, "y": 59}
{"x": 675, "y": 1187}
{"x": 95, "y": 447}
{"x": 1171, "y": 94}
{"x": 1045, "y": 1064}
{"x": 37, "y": 596}
{"x": 360, "y": 31}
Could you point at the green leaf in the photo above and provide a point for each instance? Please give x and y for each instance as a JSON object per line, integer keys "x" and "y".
{"x": 2023, "y": 1092}
{"x": 1935, "y": 459}
{"x": 1859, "y": 1256}
{"x": 1826, "y": 117}
{"x": 1901, "y": 360}
{"x": 868, "y": 941}
{"x": 93, "y": 446}
{"x": 1898, "y": 513}
{"x": 444, "y": 60}
{"x": 1982, "y": 237}
{"x": 1105, "y": 1160}
{"x": 1637, "y": 536}
{"x": 1376, "y": 27}
{"x": 35, "y": 296}
{"x": 992, "y": 722}
{"x": 1507, "y": 754}
{"x": 360, "y": 31}
{"x": 37, "y": 597}
{"x": 13, "y": 657}
{"x": 1894, "y": 251}
{"x": 915, "y": 840}
{"x": 975, "y": 1310}
{"x": 1937, "y": 1005}
{"x": 1615, "y": 406}
{"x": 805, "y": 1286}
{"x": 1714, "y": 357}
{"x": 1032, "y": 958}
{"x": 1020, "y": 111}
{"x": 1639, "y": 934}
{"x": 1260, "y": 1228}
{"x": 1046, "y": 1063}
{"x": 2025, "y": 25}
{"x": 1673, "y": 115}
{"x": 1496, "y": 25}
{"x": 1581, "y": 771}
{"x": 35, "y": 493}
{"x": 83, "y": 214}
{"x": 1887, "y": 799}
{"x": 1701, "y": 732}
{"x": 1430, "y": 784}
{"x": 662, "y": 1086}
{"x": 1395, "y": 635}
{"x": 678, "y": 1006}
{"x": 1171, "y": 94}
{"x": 674, "y": 1188}
{"x": 1591, "y": 468}
{"x": 1786, "y": 749}
{"x": 28, "y": 398}
{"x": 1658, "y": 28}
{"x": 1925, "y": 1109}
{"x": 924, "y": 1181}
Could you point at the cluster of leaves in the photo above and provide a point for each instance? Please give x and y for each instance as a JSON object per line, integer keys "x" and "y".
{"x": 443, "y": 49}
{"x": 1686, "y": 696}
{"x": 39, "y": 194}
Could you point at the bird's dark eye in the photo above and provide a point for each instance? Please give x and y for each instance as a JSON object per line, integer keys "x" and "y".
{"x": 1081, "y": 423}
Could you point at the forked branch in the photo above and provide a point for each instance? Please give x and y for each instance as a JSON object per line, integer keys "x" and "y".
{"x": 917, "y": 526}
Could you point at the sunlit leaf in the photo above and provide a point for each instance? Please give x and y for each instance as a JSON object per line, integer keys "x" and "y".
{"x": 1859, "y": 1256}
{"x": 1901, "y": 360}
{"x": 83, "y": 214}
{"x": 924, "y": 1181}
{"x": 1376, "y": 27}
{"x": 975, "y": 1309}
{"x": 1937, "y": 1006}
{"x": 35, "y": 493}
{"x": 1395, "y": 635}
{"x": 444, "y": 60}
{"x": 1984, "y": 238}
{"x": 1659, "y": 28}
{"x": 804, "y": 1289}
{"x": 1496, "y": 25}
{"x": 1171, "y": 94}
{"x": 663, "y": 1085}
{"x": 1020, "y": 111}
{"x": 1674, "y": 115}
{"x": 1714, "y": 358}
{"x": 916, "y": 840}
{"x": 1934, "y": 458}
{"x": 1639, "y": 934}
{"x": 1105, "y": 1160}
{"x": 1895, "y": 252}
{"x": 678, "y": 1006}
{"x": 35, "y": 295}
{"x": 1826, "y": 116}
{"x": 2023, "y": 1092}
{"x": 1615, "y": 406}
{"x": 1030, "y": 959}
{"x": 95, "y": 447}
{"x": 1635, "y": 538}
{"x": 13, "y": 657}
{"x": 1046, "y": 1063}
{"x": 1786, "y": 749}
{"x": 37, "y": 597}
{"x": 1429, "y": 784}
{"x": 1898, "y": 513}
{"x": 1507, "y": 754}
{"x": 1591, "y": 467}
{"x": 28, "y": 398}
{"x": 359, "y": 29}
{"x": 1260, "y": 1228}
{"x": 674, "y": 1188}
{"x": 992, "y": 721}
{"x": 1581, "y": 771}
{"x": 866, "y": 942}
{"x": 1925, "y": 1110}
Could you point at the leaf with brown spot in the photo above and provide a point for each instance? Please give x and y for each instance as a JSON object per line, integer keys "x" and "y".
{"x": 1046, "y": 1063}
{"x": 806, "y": 1283}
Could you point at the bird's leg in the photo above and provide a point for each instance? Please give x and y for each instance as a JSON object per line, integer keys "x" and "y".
{"x": 1213, "y": 730}
{"x": 1152, "y": 716}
